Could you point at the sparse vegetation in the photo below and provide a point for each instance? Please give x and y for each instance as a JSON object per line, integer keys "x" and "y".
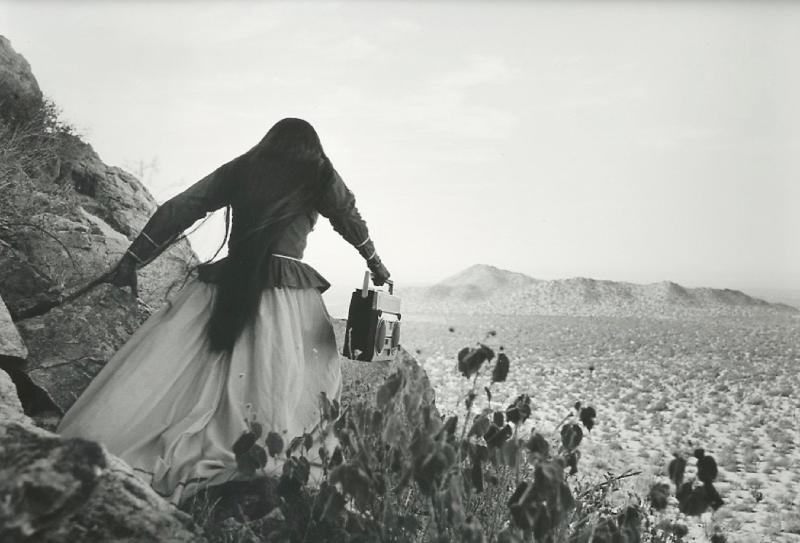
{"x": 32, "y": 140}
{"x": 494, "y": 472}
{"x": 706, "y": 386}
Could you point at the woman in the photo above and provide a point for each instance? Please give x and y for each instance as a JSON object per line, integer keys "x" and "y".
{"x": 248, "y": 339}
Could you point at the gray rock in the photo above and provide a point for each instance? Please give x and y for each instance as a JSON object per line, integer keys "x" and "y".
{"x": 71, "y": 343}
{"x": 11, "y": 345}
{"x": 18, "y": 87}
{"x": 115, "y": 206}
{"x": 55, "y": 242}
{"x": 22, "y": 285}
{"x": 65, "y": 216}
{"x": 56, "y": 490}
{"x": 10, "y": 406}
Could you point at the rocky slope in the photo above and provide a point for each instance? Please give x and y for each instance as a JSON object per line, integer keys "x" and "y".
{"x": 485, "y": 289}
{"x": 65, "y": 218}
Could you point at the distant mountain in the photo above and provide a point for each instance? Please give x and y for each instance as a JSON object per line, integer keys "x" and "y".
{"x": 777, "y": 295}
{"x": 478, "y": 282}
{"x": 483, "y": 289}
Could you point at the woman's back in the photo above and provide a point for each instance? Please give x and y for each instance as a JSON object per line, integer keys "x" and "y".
{"x": 283, "y": 266}
{"x": 293, "y": 241}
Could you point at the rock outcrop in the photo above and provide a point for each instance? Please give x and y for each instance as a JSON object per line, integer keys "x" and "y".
{"x": 18, "y": 88}
{"x": 62, "y": 230}
{"x": 11, "y": 346}
{"x": 71, "y": 343}
{"x": 65, "y": 218}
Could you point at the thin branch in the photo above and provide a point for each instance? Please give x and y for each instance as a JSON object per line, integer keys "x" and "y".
{"x": 609, "y": 482}
{"x": 48, "y": 233}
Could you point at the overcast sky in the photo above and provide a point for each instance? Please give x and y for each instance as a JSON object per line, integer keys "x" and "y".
{"x": 626, "y": 141}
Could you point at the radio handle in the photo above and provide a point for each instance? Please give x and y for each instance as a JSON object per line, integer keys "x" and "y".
{"x": 365, "y": 288}
{"x": 367, "y": 279}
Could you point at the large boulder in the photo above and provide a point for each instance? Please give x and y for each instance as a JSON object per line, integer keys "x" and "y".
{"x": 55, "y": 490}
{"x": 115, "y": 206}
{"x": 19, "y": 90}
{"x": 61, "y": 232}
{"x": 71, "y": 343}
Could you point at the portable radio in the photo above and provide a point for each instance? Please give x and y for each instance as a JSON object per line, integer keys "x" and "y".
{"x": 373, "y": 324}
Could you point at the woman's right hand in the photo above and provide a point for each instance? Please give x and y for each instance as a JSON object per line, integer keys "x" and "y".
{"x": 123, "y": 275}
{"x": 379, "y": 272}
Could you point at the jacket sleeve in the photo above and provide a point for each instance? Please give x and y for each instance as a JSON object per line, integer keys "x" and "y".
{"x": 338, "y": 205}
{"x": 181, "y": 211}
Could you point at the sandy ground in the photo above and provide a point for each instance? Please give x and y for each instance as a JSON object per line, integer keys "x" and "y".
{"x": 730, "y": 386}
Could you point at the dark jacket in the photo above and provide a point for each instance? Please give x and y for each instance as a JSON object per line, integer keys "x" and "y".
{"x": 336, "y": 203}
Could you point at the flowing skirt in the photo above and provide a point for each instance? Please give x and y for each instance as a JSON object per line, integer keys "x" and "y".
{"x": 173, "y": 409}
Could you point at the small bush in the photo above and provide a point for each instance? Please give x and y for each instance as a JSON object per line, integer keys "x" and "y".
{"x": 31, "y": 144}
{"x": 30, "y": 141}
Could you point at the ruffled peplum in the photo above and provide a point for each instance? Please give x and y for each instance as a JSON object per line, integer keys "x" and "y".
{"x": 280, "y": 273}
{"x": 285, "y": 272}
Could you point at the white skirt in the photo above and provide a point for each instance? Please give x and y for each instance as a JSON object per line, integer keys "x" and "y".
{"x": 173, "y": 409}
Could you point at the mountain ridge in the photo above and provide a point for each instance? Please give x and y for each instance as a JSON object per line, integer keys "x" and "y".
{"x": 487, "y": 289}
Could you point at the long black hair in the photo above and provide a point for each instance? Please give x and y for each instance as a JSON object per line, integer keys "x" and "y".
{"x": 275, "y": 182}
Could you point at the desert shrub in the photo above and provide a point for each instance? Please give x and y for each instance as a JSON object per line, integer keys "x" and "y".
{"x": 402, "y": 472}
{"x": 30, "y": 140}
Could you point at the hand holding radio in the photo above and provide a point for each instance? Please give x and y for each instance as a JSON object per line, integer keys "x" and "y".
{"x": 379, "y": 272}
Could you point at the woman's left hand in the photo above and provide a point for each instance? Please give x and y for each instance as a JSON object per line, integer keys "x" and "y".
{"x": 379, "y": 272}
{"x": 123, "y": 275}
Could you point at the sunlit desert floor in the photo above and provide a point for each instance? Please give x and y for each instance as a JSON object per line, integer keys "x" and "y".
{"x": 730, "y": 386}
